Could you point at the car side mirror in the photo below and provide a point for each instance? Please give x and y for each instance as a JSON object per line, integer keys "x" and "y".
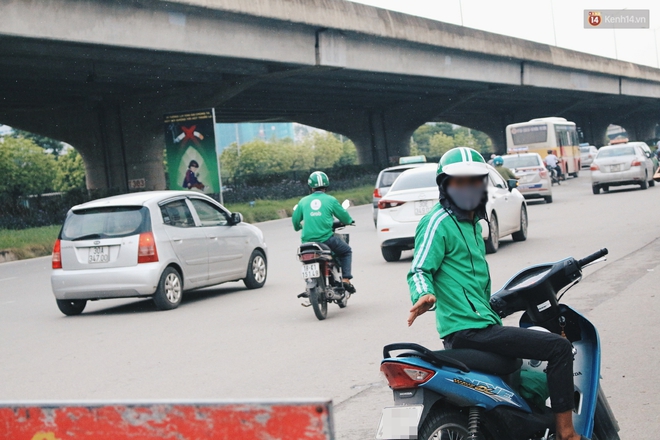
{"x": 236, "y": 218}
{"x": 512, "y": 183}
{"x": 346, "y": 204}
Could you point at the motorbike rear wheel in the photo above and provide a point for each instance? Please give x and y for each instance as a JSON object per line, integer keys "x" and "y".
{"x": 445, "y": 424}
{"x": 318, "y": 300}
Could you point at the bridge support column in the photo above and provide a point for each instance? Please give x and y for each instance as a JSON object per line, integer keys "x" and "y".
{"x": 593, "y": 127}
{"x": 640, "y": 129}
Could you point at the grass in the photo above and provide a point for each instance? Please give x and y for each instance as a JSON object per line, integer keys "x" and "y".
{"x": 264, "y": 210}
{"x": 38, "y": 242}
{"x": 29, "y": 243}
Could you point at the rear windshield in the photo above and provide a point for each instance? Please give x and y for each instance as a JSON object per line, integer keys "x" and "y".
{"x": 521, "y": 161}
{"x": 388, "y": 178}
{"x": 414, "y": 180}
{"x": 107, "y": 222}
{"x": 614, "y": 152}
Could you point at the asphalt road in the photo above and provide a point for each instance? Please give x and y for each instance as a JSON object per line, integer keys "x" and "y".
{"x": 230, "y": 343}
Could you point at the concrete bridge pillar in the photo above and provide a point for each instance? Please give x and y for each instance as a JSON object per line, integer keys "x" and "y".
{"x": 593, "y": 127}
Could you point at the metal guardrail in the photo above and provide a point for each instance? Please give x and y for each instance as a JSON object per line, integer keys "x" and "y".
{"x": 187, "y": 420}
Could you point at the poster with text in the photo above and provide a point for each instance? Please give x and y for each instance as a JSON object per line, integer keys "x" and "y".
{"x": 192, "y": 161}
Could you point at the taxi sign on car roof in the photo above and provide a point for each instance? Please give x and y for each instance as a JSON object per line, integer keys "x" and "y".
{"x": 412, "y": 159}
{"x": 518, "y": 150}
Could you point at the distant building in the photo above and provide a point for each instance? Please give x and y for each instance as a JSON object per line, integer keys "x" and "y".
{"x": 241, "y": 133}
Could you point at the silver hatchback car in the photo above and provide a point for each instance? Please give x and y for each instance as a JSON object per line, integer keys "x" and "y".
{"x": 152, "y": 244}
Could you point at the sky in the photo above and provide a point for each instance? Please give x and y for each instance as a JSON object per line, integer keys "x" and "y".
{"x": 554, "y": 22}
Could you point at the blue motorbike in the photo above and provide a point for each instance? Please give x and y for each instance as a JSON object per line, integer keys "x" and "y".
{"x": 470, "y": 394}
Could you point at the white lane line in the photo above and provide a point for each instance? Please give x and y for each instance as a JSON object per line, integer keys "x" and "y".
{"x": 7, "y": 279}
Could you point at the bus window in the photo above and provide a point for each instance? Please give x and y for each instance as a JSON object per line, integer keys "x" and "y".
{"x": 531, "y": 134}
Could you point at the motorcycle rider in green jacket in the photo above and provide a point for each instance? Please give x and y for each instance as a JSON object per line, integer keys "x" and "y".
{"x": 449, "y": 272}
{"x": 315, "y": 215}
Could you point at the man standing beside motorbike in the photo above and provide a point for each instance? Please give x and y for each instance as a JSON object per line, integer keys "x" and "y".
{"x": 315, "y": 215}
{"x": 449, "y": 272}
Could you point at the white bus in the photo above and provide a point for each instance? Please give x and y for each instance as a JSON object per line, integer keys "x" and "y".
{"x": 543, "y": 134}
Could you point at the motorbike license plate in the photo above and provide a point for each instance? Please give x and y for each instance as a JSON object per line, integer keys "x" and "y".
{"x": 400, "y": 422}
{"x": 98, "y": 254}
{"x": 311, "y": 271}
{"x": 422, "y": 207}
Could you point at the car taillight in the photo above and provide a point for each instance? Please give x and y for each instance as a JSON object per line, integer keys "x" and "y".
{"x": 594, "y": 167}
{"x": 386, "y": 204}
{"x": 147, "y": 252}
{"x": 636, "y": 163}
{"x": 57, "y": 255}
{"x": 401, "y": 376}
{"x": 377, "y": 193}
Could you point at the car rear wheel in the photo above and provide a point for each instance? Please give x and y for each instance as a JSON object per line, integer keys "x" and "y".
{"x": 645, "y": 182}
{"x": 71, "y": 307}
{"x": 606, "y": 188}
{"x": 391, "y": 254}
{"x": 493, "y": 240}
{"x": 521, "y": 235}
{"x": 595, "y": 189}
{"x": 548, "y": 199}
{"x": 257, "y": 271}
{"x": 170, "y": 290}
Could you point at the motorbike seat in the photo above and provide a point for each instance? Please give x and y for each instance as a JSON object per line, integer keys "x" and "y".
{"x": 314, "y": 246}
{"x": 484, "y": 361}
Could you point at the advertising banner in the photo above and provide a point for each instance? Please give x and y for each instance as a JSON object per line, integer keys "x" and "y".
{"x": 192, "y": 161}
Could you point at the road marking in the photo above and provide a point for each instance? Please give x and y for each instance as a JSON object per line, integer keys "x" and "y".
{"x": 7, "y": 279}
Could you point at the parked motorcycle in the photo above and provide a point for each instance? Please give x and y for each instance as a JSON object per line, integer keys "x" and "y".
{"x": 470, "y": 394}
{"x": 322, "y": 274}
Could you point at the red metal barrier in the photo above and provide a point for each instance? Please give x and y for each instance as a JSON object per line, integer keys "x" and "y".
{"x": 308, "y": 420}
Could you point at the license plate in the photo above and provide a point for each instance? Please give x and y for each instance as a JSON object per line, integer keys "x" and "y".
{"x": 311, "y": 271}
{"x": 400, "y": 422}
{"x": 99, "y": 254}
{"x": 614, "y": 168}
{"x": 423, "y": 207}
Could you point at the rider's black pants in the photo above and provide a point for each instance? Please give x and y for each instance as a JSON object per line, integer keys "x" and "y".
{"x": 527, "y": 344}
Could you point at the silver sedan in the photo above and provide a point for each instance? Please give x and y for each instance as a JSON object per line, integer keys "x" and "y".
{"x": 622, "y": 164}
{"x": 152, "y": 244}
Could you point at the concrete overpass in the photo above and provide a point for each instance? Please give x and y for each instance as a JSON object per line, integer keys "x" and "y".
{"x": 100, "y": 75}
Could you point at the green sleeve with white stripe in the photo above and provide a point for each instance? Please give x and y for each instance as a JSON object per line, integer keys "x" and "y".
{"x": 429, "y": 253}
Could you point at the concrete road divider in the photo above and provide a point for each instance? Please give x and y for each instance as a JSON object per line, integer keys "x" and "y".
{"x": 208, "y": 420}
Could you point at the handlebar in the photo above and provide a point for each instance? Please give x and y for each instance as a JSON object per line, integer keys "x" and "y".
{"x": 593, "y": 257}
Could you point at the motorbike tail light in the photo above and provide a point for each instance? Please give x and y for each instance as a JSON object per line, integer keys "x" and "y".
{"x": 57, "y": 255}
{"x": 401, "y": 376}
{"x": 309, "y": 257}
{"x": 147, "y": 252}
{"x": 636, "y": 163}
{"x": 386, "y": 204}
{"x": 377, "y": 193}
{"x": 594, "y": 167}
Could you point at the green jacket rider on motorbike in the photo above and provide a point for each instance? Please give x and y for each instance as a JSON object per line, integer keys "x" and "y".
{"x": 315, "y": 215}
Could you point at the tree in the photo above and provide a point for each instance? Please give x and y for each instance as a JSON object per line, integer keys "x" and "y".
{"x": 50, "y": 145}
{"x": 349, "y": 154}
{"x": 439, "y": 144}
{"x": 28, "y": 168}
{"x": 70, "y": 172}
{"x": 327, "y": 149}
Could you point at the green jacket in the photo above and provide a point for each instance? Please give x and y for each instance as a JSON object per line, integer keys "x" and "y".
{"x": 317, "y": 212}
{"x": 505, "y": 172}
{"x": 450, "y": 264}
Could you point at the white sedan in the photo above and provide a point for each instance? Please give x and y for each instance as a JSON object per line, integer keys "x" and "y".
{"x": 414, "y": 194}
